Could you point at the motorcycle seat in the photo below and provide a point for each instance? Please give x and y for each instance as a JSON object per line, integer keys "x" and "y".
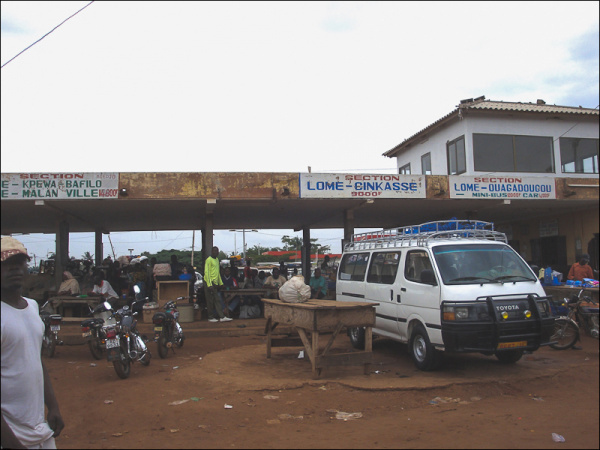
{"x": 92, "y": 322}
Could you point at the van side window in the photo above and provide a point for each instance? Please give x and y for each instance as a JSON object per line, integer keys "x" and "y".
{"x": 353, "y": 266}
{"x": 384, "y": 266}
{"x": 416, "y": 262}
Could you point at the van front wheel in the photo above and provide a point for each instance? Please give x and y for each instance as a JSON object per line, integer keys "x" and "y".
{"x": 357, "y": 337}
{"x": 424, "y": 355}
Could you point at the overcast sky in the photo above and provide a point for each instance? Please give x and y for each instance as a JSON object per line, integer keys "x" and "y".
{"x": 267, "y": 86}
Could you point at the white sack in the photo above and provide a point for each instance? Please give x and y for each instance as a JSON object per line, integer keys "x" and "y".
{"x": 294, "y": 290}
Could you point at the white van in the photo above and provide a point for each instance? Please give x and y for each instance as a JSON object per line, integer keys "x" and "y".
{"x": 446, "y": 286}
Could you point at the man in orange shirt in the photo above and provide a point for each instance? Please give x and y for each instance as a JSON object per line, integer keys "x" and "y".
{"x": 581, "y": 270}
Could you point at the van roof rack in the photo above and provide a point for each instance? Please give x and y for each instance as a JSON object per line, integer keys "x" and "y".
{"x": 420, "y": 235}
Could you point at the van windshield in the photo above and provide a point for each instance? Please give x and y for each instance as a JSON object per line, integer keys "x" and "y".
{"x": 476, "y": 264}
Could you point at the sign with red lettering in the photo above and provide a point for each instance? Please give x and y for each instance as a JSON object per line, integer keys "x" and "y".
{"x": 366, "y": 186}
{"x": 502, "y": 187}
{"x": 63, "y": 186}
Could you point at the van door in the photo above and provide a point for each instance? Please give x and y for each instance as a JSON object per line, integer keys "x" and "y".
{"x": 380, "y": 288}
{"x": 350, "y": 283}
{"x": 418, "y": 299}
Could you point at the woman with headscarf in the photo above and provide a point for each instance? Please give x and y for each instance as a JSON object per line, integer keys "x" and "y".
{"x": 69, "y": 286}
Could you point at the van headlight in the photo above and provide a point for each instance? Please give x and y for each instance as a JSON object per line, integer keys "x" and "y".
{"x": 462, "y": 312}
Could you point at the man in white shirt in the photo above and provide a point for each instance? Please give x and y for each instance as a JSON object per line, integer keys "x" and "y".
{"x": 26, "y": 386}
{"x": 276, "y": 280}
{"x": 102, "y": 288}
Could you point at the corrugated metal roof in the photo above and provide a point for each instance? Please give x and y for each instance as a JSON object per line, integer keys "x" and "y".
{"x": 490, "y": 105}
{"x": 528, "y": 107}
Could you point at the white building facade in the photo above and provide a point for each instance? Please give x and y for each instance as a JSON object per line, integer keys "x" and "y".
{"x": 483, "y": 138}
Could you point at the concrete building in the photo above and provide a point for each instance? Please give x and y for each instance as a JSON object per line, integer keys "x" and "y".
{"x": 518, "y": 152}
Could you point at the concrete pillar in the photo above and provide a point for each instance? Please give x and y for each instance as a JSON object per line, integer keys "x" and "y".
{"x": 207, "y": 239}
{"x": 306, "y": 254}
{"x": 62, "y": 251}
{"x": 98, "y": 248}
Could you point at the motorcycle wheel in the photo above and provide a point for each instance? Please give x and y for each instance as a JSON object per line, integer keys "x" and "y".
{"x": 162, "y": 346}
{"x": 122, "y": 367}
{"x": 565, "y": 334}
{"x": 95, "y": 348}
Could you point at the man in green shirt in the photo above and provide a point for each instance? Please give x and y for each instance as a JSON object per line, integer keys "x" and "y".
{"x": 212, "y": 279}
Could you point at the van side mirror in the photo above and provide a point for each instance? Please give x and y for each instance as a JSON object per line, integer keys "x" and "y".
{"x": 427, "y": 277}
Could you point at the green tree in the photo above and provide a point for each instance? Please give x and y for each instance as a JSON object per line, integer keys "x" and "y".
{"x": 295, "y": 243}
{"x": 87, "y": 256}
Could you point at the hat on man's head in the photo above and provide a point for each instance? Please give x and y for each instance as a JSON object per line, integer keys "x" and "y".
{"x": 585, "y": 256}
{"x": 11, "y": 247}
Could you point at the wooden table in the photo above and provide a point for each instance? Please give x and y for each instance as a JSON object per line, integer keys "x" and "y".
{"x": 318, "y": 316}
{"x": 62, "y": 304}
{"x": 560, "y": 292}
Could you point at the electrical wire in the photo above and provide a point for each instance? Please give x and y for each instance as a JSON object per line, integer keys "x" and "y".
{"x": 27, "y": 48}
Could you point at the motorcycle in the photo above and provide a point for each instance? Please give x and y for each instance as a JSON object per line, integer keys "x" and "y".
{"x": 124, "y": 345}
{"x": 567, "y": 328}
{"x": 167, "y": 331}
{"x": 51, "y": 328}
{"x": 94, "y": 330}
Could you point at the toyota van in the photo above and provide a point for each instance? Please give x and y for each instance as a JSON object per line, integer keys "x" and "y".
{"x": 451, "y": 286}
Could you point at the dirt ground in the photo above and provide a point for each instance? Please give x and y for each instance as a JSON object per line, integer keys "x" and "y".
{"x": 472, "y": 402}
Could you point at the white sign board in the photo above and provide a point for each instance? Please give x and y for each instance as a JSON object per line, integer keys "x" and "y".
{"x": 329, "y": 185}
{"x": 504, "y": 187}
{"x": 63, "y": 186}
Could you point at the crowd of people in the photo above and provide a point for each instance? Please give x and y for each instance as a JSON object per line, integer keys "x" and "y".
{"x": 114, "y": 281}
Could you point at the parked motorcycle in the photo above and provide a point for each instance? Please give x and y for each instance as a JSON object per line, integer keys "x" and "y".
{"x": 167, "y": 331}
{"x": 94, "y": 330}
{"x": 51, "y": 328}
{"x": 567, "y": 328}
{"x": 124, "y": 345}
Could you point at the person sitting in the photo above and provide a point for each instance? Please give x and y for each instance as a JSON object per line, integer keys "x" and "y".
{"x": 102, "y": 288}
{"x": 275, "y": 281}
{"x": 581, "y": 269}
{"x": 229, "y": 283}
{"x": 318, "y": 285}
{"x": 69, "y": 285}
{"x": 283, "y": 270}
{"x": 259, "y": 278}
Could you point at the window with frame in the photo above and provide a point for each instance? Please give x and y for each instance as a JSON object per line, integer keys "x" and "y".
{"x": 384, "y": 267}
{"x": 353, "y": 266}
{"x": 416, "y": 262}
{"x": 426, "y": 164}
{"x": 579, "y": 155}
{"x": 404, "y": 170}
{"x": 457, "y": 162}
{"x": 512, "y": 153}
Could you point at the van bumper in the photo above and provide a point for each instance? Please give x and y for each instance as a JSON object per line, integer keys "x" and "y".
{"x": 490, "y": 337}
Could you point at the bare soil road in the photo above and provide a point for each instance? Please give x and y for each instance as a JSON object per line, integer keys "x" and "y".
{"x": 472, "y": 402}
